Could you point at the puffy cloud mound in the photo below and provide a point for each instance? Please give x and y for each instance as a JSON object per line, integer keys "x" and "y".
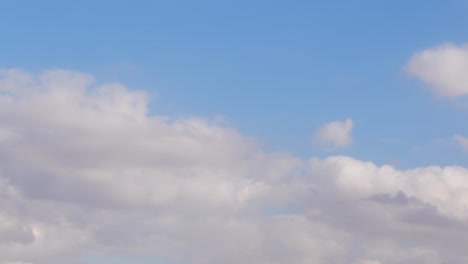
{"x": 86, "y": 169}
{"x": 335, "y": 134}
{"x": 443, "y": 68}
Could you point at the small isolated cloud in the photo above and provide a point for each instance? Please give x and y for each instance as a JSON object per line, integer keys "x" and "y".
{"x": 443, "y": 68}
{"x": 335, "y": 134}
{"x": 463, "y": 141}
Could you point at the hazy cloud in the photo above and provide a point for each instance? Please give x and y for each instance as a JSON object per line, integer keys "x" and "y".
{"x": 462, "y": 141}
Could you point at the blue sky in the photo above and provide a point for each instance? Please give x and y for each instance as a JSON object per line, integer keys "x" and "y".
{"x": 277, "y": 71}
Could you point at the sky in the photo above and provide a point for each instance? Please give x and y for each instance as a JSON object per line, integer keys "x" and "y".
{"x": 264, "y": 132}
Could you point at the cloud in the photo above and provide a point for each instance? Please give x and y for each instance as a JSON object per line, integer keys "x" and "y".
{"x": 462, "y": 141}
{"x": 335, "y": 134}
{"x": 443, "y": 68}
{"x": 90, "y": 170}
{"x": 16, "y": 262}
{"x": 368, "y": 261}
{"x": 432, "y": 185}
{"x": 87, "y": 169}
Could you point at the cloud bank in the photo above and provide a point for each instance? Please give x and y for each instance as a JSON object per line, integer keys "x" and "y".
{"x": 85, "y": 169}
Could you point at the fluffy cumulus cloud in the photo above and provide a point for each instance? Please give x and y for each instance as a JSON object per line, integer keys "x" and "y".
{"x": 86, "y": 169}
{"x": 335, "y": 134}
{"x": 443, "y": 68}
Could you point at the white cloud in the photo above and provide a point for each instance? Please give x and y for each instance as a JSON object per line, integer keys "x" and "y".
{"x": 92, "y": 170}
{"x": 87, "y": 169}
{"x": 443, "y": 68}
{"x": 462, "y": 141}
{"x": 335, "y": 134}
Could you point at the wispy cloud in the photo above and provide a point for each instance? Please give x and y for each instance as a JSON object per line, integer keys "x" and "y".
{"x": 462, "y": 141}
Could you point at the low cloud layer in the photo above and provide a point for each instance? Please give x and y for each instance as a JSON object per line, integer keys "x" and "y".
{"x": 86, "y": 170}
{"x": 444, "y": 69}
